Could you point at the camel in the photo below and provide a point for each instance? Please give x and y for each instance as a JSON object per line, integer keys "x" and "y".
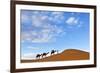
{"x": 38, "y": 55}
{"x": 44, "y": 54}
{"x": 53, "y": 52}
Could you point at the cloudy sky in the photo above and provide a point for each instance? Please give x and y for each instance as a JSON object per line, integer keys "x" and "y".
{"x": 42, "y": 31}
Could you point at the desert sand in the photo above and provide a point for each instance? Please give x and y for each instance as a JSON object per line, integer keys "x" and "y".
{"x": 66, "y": 55}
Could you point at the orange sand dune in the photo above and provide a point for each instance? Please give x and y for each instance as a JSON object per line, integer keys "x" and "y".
{"x": 66, "y": 55}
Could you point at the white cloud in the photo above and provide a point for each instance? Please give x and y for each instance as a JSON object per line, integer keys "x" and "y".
{"x": 43, "y": 27}
{"x": 57, "y": 17}
{"x": 28, "y": 56}
{"x": 25, "y": 18}
{"x": 36, "y": 21}
{"x": 72, "y": 21}
{"x": 35, "y": 12}
{"x": 25, "y": 36}
{"x": 46, "y": 34}
{"x": 34, "y": 48}
{"x": 44, "y": 17}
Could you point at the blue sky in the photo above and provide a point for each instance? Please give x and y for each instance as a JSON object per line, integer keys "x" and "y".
{"x": 42, "y": 31}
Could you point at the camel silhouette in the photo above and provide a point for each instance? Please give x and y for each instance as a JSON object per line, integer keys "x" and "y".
{"x": 38, "y": 56}
{"x": 44, "y": 54}
{"x": 53, "y": 52}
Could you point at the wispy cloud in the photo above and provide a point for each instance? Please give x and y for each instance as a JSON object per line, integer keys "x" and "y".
{"x": 32, "y": 47}
{"x": 46, "y": 34}
{"x": 28, "y": 56}
{"x": 57, "y": 17}
{"x": 72, "y": 21}
{"x": 43, "y": 27}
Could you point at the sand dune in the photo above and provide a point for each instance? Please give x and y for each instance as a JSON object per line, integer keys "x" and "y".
{"x": 66, "y": 55}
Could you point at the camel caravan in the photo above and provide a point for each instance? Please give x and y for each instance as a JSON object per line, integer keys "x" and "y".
{"x": 43, "y": 55}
